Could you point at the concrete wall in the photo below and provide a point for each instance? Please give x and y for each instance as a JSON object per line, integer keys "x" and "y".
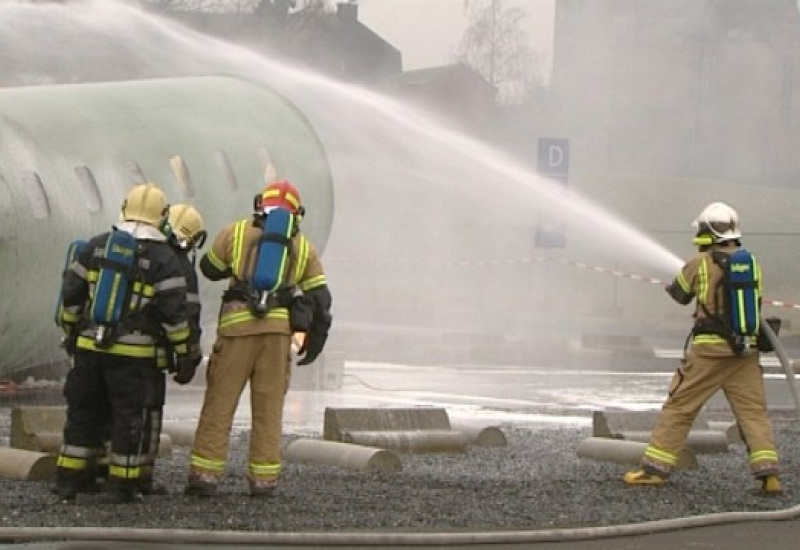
{"x": 685, "y": 87}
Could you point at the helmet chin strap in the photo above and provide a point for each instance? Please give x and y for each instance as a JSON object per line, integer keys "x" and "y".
{"x": 703, "y": 240}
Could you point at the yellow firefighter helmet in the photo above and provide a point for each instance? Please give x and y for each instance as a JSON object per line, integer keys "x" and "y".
{"x": 187, "y": 226}
{"x": 145, "y": 203}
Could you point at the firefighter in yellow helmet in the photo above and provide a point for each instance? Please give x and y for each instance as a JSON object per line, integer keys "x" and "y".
{"x": 185, "y": 233}
{"x": 253, "y": 343}
{"x": 714, "y": 361}
{"x": 119, "y": 368}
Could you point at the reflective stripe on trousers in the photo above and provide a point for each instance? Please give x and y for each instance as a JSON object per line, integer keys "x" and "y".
{"x": 740, "y": 377}
{"x": 263, "y": 361}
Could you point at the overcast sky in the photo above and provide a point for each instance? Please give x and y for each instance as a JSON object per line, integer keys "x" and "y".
{"x": 428, "y": 31}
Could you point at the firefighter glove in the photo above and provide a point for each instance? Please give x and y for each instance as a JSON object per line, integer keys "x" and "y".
{"x": 301, "y": 313}
{"x": 312, "y": 348}
{"x": 196, "y": 352}
{"x": 313, "y": 344}
{"x": 319, "y": 326}
{"x": 69, "y": 342}
{"x": 185, "y": 367}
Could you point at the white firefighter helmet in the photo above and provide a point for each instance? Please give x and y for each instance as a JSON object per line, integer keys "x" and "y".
{"x": 719, "y": 221}
{"x": 145, "y": 203}
{"x": 186, "y": 225}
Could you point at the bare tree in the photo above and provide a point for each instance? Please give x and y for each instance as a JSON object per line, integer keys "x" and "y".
{"x": 204, "y": 6}
{"x": 239, "y": 6}
{"x": 314, "y": 5}
{"x": 498, "y": 47}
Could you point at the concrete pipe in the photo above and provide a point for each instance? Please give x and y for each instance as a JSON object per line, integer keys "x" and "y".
{"x": 412, "y": 441}
{"x": 626, "y": 452}
{"x": 26, "y": 465}
{"x": 46, "y": 443}
{"x": 51, "y": 444}
{"x": 179, "y": 434}
{"x": 699, "y": 441}
{"x": 730, "y": 429}
{"x": 481, "y": 436}
{"x": 343, "y": 455}
{"x": 164, "y": 445}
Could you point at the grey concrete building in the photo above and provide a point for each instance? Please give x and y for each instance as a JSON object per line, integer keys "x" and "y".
{"x": 707, "y": 88}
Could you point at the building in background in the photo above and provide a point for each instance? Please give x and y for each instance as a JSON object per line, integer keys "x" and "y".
{"x": 457, "y": 93}
{"x": 334, "y": 43}
{"x": 338, "y": 45}
{"x": 699, "y": 88}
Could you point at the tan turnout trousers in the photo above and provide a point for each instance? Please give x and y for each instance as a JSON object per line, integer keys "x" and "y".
{"x": 740, "y": 378}
{"x": 263, "y": 360}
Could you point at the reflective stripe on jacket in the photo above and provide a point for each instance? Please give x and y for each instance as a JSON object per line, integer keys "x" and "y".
{"x": 233, "y": 255}
{"x": 157, "y": 306}
{"x": 701, "y": 276}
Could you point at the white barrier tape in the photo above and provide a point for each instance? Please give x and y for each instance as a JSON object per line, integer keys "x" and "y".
{"x": 617, "y": 273}
{"x": 572, "y": 263}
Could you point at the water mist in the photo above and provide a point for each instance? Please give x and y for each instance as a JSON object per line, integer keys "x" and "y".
{"x": 433, "y": 230}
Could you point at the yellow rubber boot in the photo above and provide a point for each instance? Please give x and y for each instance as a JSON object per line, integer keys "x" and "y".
{"x": 771, "y": 485}
{"x": 640, "y": 477}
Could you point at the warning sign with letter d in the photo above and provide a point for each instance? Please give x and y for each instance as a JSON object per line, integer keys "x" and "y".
{"x": 554, "y": 165}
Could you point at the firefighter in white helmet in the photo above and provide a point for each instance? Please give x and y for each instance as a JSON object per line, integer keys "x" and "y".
{"x": 714, "y": 360}
{"x": 116, "y": 378}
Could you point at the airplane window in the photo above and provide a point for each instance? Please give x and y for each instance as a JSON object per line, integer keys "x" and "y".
{"x": 226, "y": 167}
{"x": 9, "y": 227}
{"x": 181, "y": 172}
{"x": 91, "y": 192}
{"x": 135, "y": 172}
{"x": 270, "y": 170}
{"x": 34, "y": 190}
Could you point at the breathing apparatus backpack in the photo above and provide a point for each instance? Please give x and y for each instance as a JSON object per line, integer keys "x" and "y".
{"x": 272, "y": 257}
{"x": 115, "y": 286}
{"x": 741, "y": 315}
{"x": 73, "y": 251}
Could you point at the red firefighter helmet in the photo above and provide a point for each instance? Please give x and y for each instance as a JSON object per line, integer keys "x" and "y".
{"x": 279, "y": 193}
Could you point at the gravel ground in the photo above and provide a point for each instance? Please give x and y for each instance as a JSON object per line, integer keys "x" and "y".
{"x": 535, "y": 482}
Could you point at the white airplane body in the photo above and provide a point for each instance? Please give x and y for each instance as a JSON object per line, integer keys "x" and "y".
{"x": 69, "y": 153}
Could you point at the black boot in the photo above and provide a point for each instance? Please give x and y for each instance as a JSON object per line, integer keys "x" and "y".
{"x": 71, "y": 482}
{"x": 116, "y": 491}
{"x": 150, "y": 487}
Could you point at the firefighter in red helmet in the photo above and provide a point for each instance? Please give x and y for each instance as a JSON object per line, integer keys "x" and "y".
{"x": 254, "y": 346}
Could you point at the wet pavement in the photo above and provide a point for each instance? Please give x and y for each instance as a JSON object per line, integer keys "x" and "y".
{"x": 492, "y": 395}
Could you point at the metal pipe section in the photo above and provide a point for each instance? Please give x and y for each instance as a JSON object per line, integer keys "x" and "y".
{"x": 785, "y": 362}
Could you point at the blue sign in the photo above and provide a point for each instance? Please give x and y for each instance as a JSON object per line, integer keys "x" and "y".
{"x": 553, "y": 164}
{"x": 554, "y": 157}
